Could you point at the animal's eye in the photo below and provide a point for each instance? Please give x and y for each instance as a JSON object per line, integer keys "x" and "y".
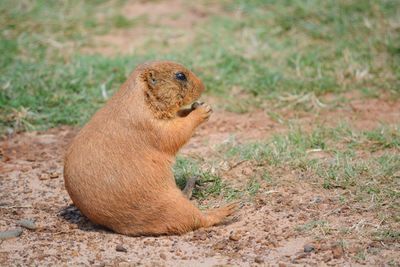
{"x": 180, "y": 76}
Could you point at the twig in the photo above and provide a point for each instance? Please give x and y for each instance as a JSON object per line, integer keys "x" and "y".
{"x": 16, "y": 207}
{"x": 333, "y": 211}
{"x": 237, "y": 164}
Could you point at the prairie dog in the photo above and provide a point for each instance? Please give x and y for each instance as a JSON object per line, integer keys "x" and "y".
{"x": 117, "y": 170}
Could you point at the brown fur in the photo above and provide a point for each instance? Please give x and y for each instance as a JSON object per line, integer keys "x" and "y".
{"x": 118, "y": 168}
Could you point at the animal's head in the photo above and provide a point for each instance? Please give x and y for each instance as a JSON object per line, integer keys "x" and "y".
{"x": 168, "y": 87}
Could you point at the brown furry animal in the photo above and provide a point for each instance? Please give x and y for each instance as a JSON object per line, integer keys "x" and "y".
{"x": 118, "y": 168}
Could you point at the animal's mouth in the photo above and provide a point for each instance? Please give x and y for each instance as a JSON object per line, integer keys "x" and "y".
{"x": 190, "y": 105}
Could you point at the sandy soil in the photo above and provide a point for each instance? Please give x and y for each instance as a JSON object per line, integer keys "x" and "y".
{"x": 264, "y": 232}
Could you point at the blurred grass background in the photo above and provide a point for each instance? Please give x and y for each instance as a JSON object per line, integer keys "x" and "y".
{"x": 250, "y": 53}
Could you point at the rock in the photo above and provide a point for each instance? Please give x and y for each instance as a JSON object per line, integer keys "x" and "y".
{"x": 121, "y": 248}
{"x": 301, "y": 255}
{"x": 25, "y": 169}
{"x": 327, "y": 257}
{"x": 54, "y": 175}
{"x": 235, "y": 236}
{"x": 44, "y": 176}
{"x": 247, "y": 171}
{"x": 200, "y": 235}
{"x": 258, "y": 259}
{"x": 163, "y": 256}
{"x": 219, "y": 246}
{"x": 10, "y": 234}
{"x": 309, "y": 248}
{"x": 353, "y": 249}
{"x": 281, "y": 264}
{"x": 317, "y": 199}
{"x": 337, "y": 252}
{"x": 124, "y": 264}
{"x": 31, "y": 158}
{"x": 28, "y": 224}
{"x": 35, "y": 165}
{"x": 75, "y": 253}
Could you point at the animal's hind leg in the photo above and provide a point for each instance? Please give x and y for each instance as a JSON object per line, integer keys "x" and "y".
{"x": 171, "y": 213}
{"x": 185, "y": 217}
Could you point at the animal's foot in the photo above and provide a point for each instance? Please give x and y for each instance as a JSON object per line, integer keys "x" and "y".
{"x": 203, "y": 110}
{"x": 216, "y": 216}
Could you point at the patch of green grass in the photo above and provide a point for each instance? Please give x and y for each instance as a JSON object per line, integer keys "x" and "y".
{"x": 302, "y": 46}
{"x": 291, "y": 148}
{"x": 40, "y": 30}
{"x": 185, "y": 168}
{"x": 58, "y": 93}
{"x": 332, "y": 157}
{"x": 211, "y": 184}
{"x": 253, "y": 186}
{"x": 208, "y": 184}
{"x": 43, "y": 81}
{"x": 388, "y": 235}
{"x": 361, "y": 255}
{"x": 345, "y": 171}
{"x": 383, "y": 138}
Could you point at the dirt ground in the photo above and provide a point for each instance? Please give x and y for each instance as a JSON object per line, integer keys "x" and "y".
{"x": 263, "y": 233}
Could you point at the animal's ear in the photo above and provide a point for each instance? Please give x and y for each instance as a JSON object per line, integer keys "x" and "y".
{"x": 151, "y": 79}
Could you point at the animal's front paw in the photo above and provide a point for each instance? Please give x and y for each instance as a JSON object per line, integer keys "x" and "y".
{"x": 203, "y": 110}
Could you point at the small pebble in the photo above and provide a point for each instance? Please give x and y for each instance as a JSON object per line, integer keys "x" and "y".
{"x": 10, "y": 234}
{"x": 163, "y": 256}
{"x": 258, "y": 259}
{"x": 327, "y": 257}
{"x": 25, "y": 168}
{"x": 247, "y": 171}
{"x": 235, "y": 236}
{"x": 28, "y": 224}
{"x": 54, "y": 175}
{"x": 308, "y": 248}
{"x": 219, "y": 246}
{"x": 337, "y": 252}
{"x": 44, "y": 176}
{"x": 317, "y": 199}
{"x": 120, "y": 248}
{"x": 31, "y": 158}
{"x": 301, "y": 255}
{"x": 200, "y": 235}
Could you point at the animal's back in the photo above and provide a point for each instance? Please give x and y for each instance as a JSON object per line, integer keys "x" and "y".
{"x": 104, "y": 173}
